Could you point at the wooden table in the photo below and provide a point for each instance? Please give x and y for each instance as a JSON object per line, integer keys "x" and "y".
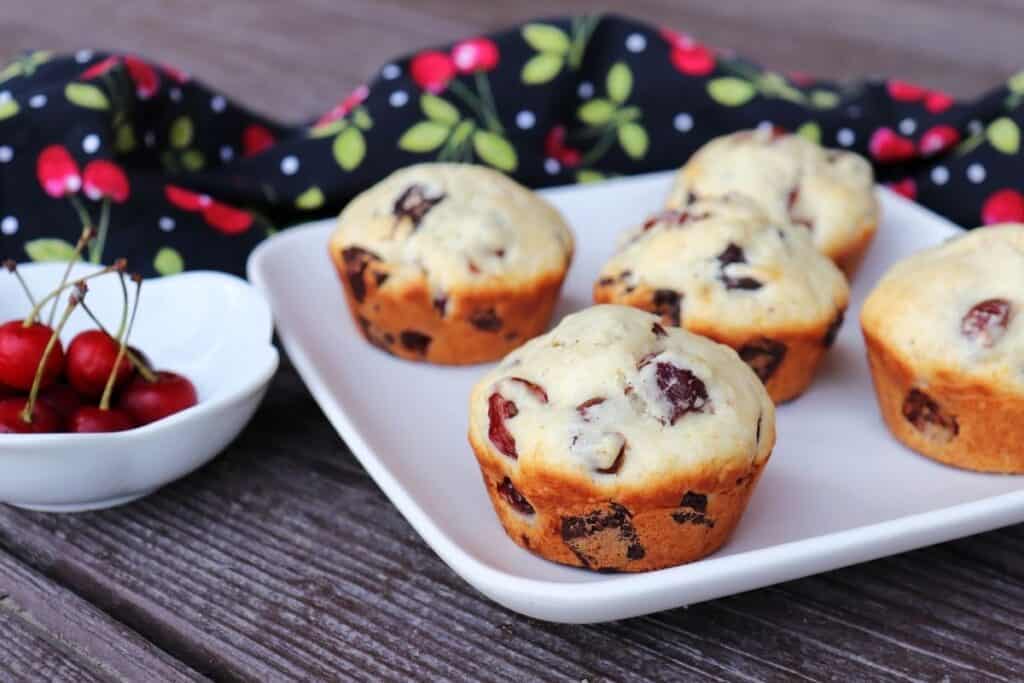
{"x": 283, "y": 560}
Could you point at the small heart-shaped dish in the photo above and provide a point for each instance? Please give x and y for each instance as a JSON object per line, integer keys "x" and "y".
{"x": 214, "y": 328}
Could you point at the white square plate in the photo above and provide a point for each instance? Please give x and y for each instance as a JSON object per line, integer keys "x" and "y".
{"x": 837, "y": 491}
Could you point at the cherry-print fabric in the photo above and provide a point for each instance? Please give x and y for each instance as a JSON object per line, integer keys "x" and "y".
{"x": 173, "y": 175}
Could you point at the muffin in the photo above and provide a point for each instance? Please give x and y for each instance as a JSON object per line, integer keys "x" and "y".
{"x": 450, "y": 263}
{"x": 829, "y": 192}
{"x": 723, "y": 269}
{"x": 945, "y": 337}
{"x": 615, "y": 443}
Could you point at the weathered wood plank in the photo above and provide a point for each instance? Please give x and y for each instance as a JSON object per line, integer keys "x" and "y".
{"x": 49, "y": 633}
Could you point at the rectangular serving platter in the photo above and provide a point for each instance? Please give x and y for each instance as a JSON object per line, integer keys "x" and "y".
{"x": 837, "y": 491}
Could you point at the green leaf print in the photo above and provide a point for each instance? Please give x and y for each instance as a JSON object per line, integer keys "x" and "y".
{"x": 85, "y": 95}
{"x": 461, "y": 133}
{"x": 495, "y": 150}
{"x": 49, "y": 249}
{"x": 633, "y": 139}
{"x": 193, "y": 160}
{"x": 811, "y": 131}
{"x": 1016, "y": 83}
{"x": 425, "y": 136}
{"x": 731, "y": 91}
{"x": 181, "y": 132}
{"x": 168, "y": 262}
{"x": 8, "y": 108}
{"x": 596, "y": 112}
{"x": 310, "y": 200}
{"x": 542, "y": 68}
{"x": 1004, "y": 135}
{"x": 349, "y": 148}
{"x": 546, "y": 38}
{"x": 587, "y": 175}
{"x": 620, "y": 82}
{"x": 439, "y": 109}
{"x": 326, "y": 130}
{"x": 124, "y": 140}
{"x": 362, "y": 119}
{"x": 824, "y": 99}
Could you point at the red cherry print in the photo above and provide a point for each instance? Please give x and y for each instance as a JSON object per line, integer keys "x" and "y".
{"x": 186, "y": 199}
{"x": 554, "y": 142}
{"x": 90, "y": 359}
{"x": 475, "y": 54}
{"x": 62, "y": 398}
{"x": 888, "y": 147}
{"x": 1003, "y": 206}
{"x": 174, "y": 73}
{"x": 143, "y": 75}
{"x": 937, "y": 139}
{"x": 227, "y": 219}
{"x": 21, "y": 349}
{"x": 432, "y": 71}
{"x": 57, "y": 171}
{"x": 342, "y": 109}
{"x": 687, "y": 55}
{"x": 903, "y": 91}
{"x": 99, "y": 68}
{"x": 104, "y": 179}
{"x": 937, "y": 102}
{"x": 256, "y": 139}
{"x": 92, "y": 420}
{"x": 570, "y": 158}
{"x": 800, "y": 77}
{"x": 44, "y": 418}
{"x": 906, "y": 187}
{"x": 146, "y": 402}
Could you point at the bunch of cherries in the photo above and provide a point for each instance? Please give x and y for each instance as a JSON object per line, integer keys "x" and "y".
{"x": 100, "y": 384}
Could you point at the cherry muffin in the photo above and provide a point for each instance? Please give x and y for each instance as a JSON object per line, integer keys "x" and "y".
{"x": 829, "y": 192}
{"x": 450, "y": 263}
{"x": 616, "y": 443}
{"x": 945, "y": 338}
{"x": 721, "y": 268}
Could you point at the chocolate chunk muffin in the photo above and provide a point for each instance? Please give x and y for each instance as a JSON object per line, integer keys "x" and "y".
{"x": 945, "y": 336}
{"x": 724, "y": 269}
{"x": 450, "y": 263}
{"x": 616, "y": 443}
{"x": 828, "y": 192}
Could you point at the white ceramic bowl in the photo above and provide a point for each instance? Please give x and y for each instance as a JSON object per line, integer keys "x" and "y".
{"x": 212, "y": 327}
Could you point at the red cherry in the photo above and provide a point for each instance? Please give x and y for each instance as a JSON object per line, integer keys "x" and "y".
{"x": 432, "y": 70}
{"x": 1003, "y": 206}
{"x": 186, "y": 199}
{"x": 147, "y": 402}
{"x": 144, "y": 76}
{"x": 475, "y": 54}
{"x": 888, "y": 147}
{"x": 44, "y": 418}
{"x": 570, "y": 158}
{"x": 89, "y": 361}
{"x": 903, "y": 91}
{"x": 256, "y": 139}
{"x": 90, "y": 420}
{"x": 937, "y": 102}
{"x": 554, "y": 142}
{"x": 227, "y": 219}
{"x": 99, "y": 68}
{"x": 57, "y": 171}
{"x": 906, "y": 187}
{"x": 342, "y": 109}
{"x": 62, "y": 398}
{"x": 937, "y": 139}
{"x": 694, "y": 61}
{"x": 104, "y": 179}
{"x": 21, "y": 349}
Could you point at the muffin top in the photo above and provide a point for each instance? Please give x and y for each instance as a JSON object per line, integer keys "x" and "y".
{"x": 723, "y": 264}
{"x": 458, "y": 225}
{"x": 957, "y": 308}
{"x": 828, "y": 191}
{"x": 615, "y": 401}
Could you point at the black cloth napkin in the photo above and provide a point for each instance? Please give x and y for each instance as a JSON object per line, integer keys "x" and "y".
{"x": 175, "y": 175}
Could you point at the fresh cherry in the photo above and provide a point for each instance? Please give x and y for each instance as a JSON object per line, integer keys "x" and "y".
{"x": 44, "y": 418}
{"x": 21, "y": 349}
{"x": 62, "y": 398}
{"x": 89, "y": 361}
{"x": 91, "y": 419}
{"x": 146, "y": 401}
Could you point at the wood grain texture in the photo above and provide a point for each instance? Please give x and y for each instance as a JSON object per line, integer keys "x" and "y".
{"x": 282, "y": 560}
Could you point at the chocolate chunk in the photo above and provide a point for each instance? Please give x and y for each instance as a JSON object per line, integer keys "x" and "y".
{"x": 733, "y": 253}
{"x": 697, "y": 501}
{"x": 380, "y": 277}
{"x": 355, "y": 260}
{"x": 593, "y": 534}
{"x": 927, "y": 416}
{"x": 414, "y": 204}
{"x": 617, "y": 463}
{"x": 512, "y": 496}
{"x": 764, "y": 356}
{"x": 486, "y": 321}
{"x": 667, "y": 303}
{"x": 500, "y": 409}
{"x": 658, "y": 330}
{"x": 382, "y": 341}
{"x": 535, "y": 389}
{"x": 415, "y": 341}
{"x": 691, "y": 517}
{"x": 833, "y": 329}
{"x": 757, "y": 432}
{"x": 605, "y": 281}
{"x": 584, "y": 407}
{"x": 745, "y": 283}
{"x": 986, "y": 322}
{"x": 440, "y": 303}
{"x": 682, "y": 389}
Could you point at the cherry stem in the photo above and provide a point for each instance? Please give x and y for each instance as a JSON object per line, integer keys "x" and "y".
{"x": 96, "y": 253}
{"x": 79, "y": 208}
{"x": 143, "y": 369}
{"x": 12, "y": 267}
{"x": 118, "y": 265}
{"x": 30, "y": 405}
{"x": 83, "y": 240}
{"x": 122, "y": 341}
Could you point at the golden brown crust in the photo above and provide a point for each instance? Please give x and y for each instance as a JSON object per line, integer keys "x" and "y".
{"x": 955, "y": 421}
{"x": 850, "y": 256}
{"x": 674, "y": 523}
{"x": 785, "y": 360}
{"x": 474, "y": 326}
